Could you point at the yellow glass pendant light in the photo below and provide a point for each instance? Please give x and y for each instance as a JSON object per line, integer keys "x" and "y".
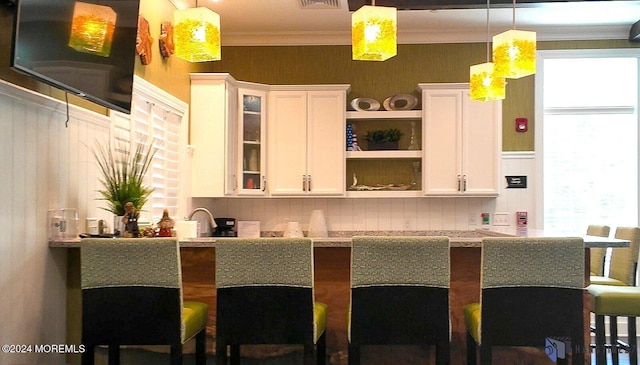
{"x": 514, "y": 52}
{"x": 373, "y": 33}
{"x": 484, "y": 85}
{"x": 196, "y": 34}
{"x": 92, "y": 28}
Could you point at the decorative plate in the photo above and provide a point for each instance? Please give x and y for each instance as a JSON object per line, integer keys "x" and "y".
{"x": 365, "y": 104}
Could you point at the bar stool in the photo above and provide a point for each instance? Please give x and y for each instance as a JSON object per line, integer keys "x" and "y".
{"x": 516, "y": 270}
{"x": 265, "y": 295}
{"x": 614, "y": 301}
{"x": 400, "y": 294}
{"x": 597, "y": 255}
{"x": 622, "y": 273}
{"x": 132, "y": 295}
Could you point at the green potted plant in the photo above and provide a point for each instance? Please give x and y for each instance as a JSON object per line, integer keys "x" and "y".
{"x": 384, "y": 139}
{"x": 123, "y": 172}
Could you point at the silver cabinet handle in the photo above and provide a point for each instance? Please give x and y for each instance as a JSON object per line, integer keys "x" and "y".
{"x": 304, "y": 182}
{"x": 459, "y": 183}
{"x": 309, "y": 183}
{"x": 464, "y": 182}
{"x": 264, "y": 183}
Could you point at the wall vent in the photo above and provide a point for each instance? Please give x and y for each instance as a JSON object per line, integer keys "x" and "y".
{"x": 320, "y": 4}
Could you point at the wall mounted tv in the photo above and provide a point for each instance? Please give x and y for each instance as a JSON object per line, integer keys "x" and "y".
{"x": 55, "y": 42}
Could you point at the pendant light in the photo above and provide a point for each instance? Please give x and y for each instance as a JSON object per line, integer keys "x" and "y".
{"x": 514, "y": 51}
{"x": 373, "y": 33}
{"x": 196, "y": 34}
{"x": 484, "y": 85}
{"x": 92, "y": 28}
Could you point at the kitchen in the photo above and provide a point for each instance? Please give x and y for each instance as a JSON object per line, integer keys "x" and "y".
{"x": 33, "y": 276}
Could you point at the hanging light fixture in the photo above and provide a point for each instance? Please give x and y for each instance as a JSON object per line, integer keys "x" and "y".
{"x": 514, "y": 51}
{"x": 92, "y": 28}
{"x": 196, "y": 34}
{"x": 373, "y": 33}
{"x": 484, "y": 85}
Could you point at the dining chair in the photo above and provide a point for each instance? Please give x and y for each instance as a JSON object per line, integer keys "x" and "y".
{"x": 132, "y": 295}
{"x": 622, "y": 273}
{"x": 265, "y": 295}
{"x": 400, "y": 294}
{"x": 597, "y": 254}
{"x": 532, "y": 291}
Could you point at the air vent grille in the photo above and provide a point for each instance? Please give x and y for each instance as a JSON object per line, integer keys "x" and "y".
{"x": 320, "y": 4}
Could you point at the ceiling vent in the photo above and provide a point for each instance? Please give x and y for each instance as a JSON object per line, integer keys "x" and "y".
{"x": 320, "y": 4}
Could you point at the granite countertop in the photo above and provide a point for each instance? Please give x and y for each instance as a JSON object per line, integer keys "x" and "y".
{"x": 458, "y": 238}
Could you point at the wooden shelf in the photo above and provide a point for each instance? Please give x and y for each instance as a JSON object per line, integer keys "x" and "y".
{"x": 385, "y": 154}
{"x": 386, "y": 114}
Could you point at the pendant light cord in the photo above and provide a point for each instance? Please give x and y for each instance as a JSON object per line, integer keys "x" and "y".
{"x": 513, "y": 21}
{"x": 488, "y": 30}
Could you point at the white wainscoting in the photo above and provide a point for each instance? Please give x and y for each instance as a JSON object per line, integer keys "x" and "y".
{"x": 396, "y": 214}
{"x": 44, "y": 165}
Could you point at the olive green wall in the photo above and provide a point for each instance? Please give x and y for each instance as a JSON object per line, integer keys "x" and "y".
{"x": 323, "y": 65}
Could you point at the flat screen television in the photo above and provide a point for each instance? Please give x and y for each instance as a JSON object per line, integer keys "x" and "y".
{"x": 83, "y": 47}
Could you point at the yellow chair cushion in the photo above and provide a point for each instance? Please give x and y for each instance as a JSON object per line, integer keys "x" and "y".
{"x": 194, "y": 316}
{"x": 604, "y": 280}
{"x": 472, "y": 320}
{"x": 615, "y": 300}
{"x": 319, "y": 319}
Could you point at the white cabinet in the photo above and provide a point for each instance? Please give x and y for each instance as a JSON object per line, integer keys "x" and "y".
{"x": 252, "y": 132}
{"x": 306, "y": 140}
{"x": 462, "y": 142}
{"x": 213, "y": 134}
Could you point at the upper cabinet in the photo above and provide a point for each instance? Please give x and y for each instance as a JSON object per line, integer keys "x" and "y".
{"x": 462, "y": 142}
{"x": 306, "y": 139}
{"x": 213, "y": 134}
{"x": 252, "y": 132}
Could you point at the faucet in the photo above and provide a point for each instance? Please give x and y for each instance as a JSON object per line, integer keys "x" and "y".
{"x": 212, "y": 222}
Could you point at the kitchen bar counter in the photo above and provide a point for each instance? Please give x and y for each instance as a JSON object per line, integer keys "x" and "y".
{"x": 457, "y": 238}
{"x": 332, "y": 257}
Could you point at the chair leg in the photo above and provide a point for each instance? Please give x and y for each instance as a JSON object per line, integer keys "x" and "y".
{"x": 235, "y": 354}
{"x": 354, "y": 354}
{"x": 601, "y": 352}
{"x": 309, "y": 358}
{"x": 633, "y": 341}
{"x": 221, "y": 353}
{"x": 321, "y": 349}
{"x": 88, "y": 357}
{"x": 613, "y": 330}
{"x": 485, "y": 353}
{"x": 201, "y": 347}
{"x": 114, "y": 354}
{"x": 443, "y": 353}
{"x": 176, "y": 354}
{"x": 472, "y": 350}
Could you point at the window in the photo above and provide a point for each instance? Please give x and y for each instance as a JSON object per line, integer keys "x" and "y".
{"x": 587, "y": 135}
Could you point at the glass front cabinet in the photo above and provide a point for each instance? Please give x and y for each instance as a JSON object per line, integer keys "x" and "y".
{"x": 252, "y": 142}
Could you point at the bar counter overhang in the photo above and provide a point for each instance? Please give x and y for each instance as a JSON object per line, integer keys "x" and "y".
{"x": 332, "y": 286}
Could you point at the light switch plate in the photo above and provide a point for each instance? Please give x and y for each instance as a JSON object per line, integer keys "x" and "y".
{"x": 501, "y": 219}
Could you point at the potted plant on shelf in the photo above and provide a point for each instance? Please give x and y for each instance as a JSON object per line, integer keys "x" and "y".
{"x": 385, "y": 139}
{"x": 123, "y": 172}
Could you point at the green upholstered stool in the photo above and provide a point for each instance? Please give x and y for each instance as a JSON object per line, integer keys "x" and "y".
{"x": 597, "y": 255}
{"x": 607, "y": 300}
{"x": 132, "y": 295}
{"x": 624, "y": 260}
{"x": 265, "y": 295}
{"x": 622, "y": 272}
{"x": 515, "y": 270}
{"x": 400, "y": 294}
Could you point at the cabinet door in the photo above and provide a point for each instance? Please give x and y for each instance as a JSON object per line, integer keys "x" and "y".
{"x": 212, "y": 135}
{"x": 482, "y": 144}
{"x": 287, "y": 142}
{"x": 251, "y": 133}
{"x": 326, "y": 142}
{"x": 442, "y": 120}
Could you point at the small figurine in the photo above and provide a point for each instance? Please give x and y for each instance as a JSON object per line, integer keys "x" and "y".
{"x": 130, "y": 220}
{"x": 166, "y": 225}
